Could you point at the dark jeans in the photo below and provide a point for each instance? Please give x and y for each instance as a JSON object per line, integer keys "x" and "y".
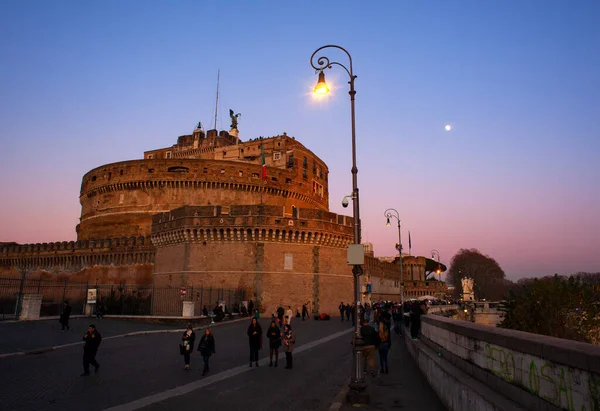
{"x": 289, "y": 361}
{"x": 398, "y": 327}
{"x": 415, "y": 325}
{"x": 384, "y": 348}
{"x": 65, "y": 324}
{"x": 186, "y": 357}
{"x": 206, "y": 358}
{"x": 253, "y": 354}
{"x": 342, "y": 314}
{"x": 89, "y": 357}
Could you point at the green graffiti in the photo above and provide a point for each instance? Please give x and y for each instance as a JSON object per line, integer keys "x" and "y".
{"x": 562, "y": 388}
{"x": 534, "y": 379}
{"x": 547, "y": 373}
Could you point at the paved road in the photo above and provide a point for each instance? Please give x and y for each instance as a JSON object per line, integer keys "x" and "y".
{"x": 137, "y": 368}
{"x": 30, "y": 335}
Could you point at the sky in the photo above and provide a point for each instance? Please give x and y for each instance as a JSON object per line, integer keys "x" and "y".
{"x": 83, "y": 84}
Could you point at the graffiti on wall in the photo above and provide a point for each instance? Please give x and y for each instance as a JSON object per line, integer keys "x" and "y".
{"x": 569, "y": 388}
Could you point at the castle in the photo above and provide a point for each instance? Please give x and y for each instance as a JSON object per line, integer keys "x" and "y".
{"x": 213, "y": 211}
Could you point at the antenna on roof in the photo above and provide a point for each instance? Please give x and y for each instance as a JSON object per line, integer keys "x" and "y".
{"x": 217, "y": 100}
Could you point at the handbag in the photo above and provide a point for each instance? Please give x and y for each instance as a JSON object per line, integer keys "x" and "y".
{"x": 182, "y": 349}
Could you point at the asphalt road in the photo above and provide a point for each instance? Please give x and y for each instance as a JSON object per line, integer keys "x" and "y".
{"x": 146, "y": 372}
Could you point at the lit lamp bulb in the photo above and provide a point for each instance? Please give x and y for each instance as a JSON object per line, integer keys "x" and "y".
{"x": 321, "y": 87}
{"x": 388, "y": 222}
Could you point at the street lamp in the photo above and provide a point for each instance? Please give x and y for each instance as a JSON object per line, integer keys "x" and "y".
{"x": 357, "y": 383}
{"x": 389, "y": 214}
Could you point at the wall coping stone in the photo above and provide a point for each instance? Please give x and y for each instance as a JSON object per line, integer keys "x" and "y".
{"x": 572, "y": 353}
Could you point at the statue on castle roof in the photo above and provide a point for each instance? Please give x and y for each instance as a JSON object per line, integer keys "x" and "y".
{"x": 199, "y": 126}
{"x": 234, "y": 119}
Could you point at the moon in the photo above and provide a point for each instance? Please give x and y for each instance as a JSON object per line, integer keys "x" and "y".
{"x": 448, "y": 127}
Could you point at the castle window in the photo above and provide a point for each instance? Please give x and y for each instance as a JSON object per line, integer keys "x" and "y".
{"x": 278, "y": 144}
{"x": 274, "y": 178}
{"x": 241, "y": 173}
{"x": 168, "y": 154}
{"x": 121, "y": 172}
{"x": 276, "y": 156}
{"x": 205, "y": 170}
{"x": 304, "y": 174}
{"x": 305, "y": 162}
{"x": 320, "y": 172}
{"x": 254, "y": 175}
{"x": 150, "y": 156}
{"x": 290, "y": 161}
{"x": 314, "y": 167}
{"x": 93, "y": 178}
{"x": 288, "y": 181}
{"x": 109, "y": 175}
{"x": 224, "y": 154}
{"x": 150, "y": 170}
{"x": 178, "y": 169}
{"x": 222, "y": 171}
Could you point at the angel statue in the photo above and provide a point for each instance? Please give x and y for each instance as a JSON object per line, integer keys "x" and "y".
{"x": 234, "y": 119}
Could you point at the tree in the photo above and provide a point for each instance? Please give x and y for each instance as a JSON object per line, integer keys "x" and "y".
{"x": 556, "y": 306}
{"x": 489, "y": 281}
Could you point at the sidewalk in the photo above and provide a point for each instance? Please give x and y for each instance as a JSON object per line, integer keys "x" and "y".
{"x": 403, "y": 388}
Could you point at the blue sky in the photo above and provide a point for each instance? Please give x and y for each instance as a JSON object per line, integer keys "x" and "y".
{"x": 88, "y": 83}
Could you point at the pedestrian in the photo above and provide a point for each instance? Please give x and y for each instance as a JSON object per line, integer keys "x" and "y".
{"x": 397, "y": 317}
{"x": 416, "y": 309}
{"x": 205, "y": 311}
{"x": 206, "y": 347}
{"x": 274, "y": 336}
{"x": 304, "y": 312}
{"x": 370, "y": 341}
{"x": 255, "y": 340}
{"x": 250, "y": 307}
{"x": 280, "y": 312}
{"x": 289, "y": 314}
{"x": 342, "y": 308}
{"x": 385, "y": 343}
{"x": 347, "y": 309}
{"x": 187, "y": 345}
{"x": 64, "y": 317}
{"x": 92, "y": 340}
{"x": 100, "y": 310}
{"x": 289, "y": 339}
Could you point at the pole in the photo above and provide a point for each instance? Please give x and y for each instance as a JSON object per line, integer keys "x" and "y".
{"x": 401, "y": 277}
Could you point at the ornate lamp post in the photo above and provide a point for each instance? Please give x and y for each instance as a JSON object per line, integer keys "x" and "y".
{"x": 389, "y": 214}
{"x": 357, "y": 383}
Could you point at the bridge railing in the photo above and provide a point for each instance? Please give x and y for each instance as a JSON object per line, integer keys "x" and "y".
{"x": 518, "y": 370}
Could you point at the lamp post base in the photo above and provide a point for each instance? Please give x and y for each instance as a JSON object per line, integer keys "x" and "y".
{"x": 358, "y": 394}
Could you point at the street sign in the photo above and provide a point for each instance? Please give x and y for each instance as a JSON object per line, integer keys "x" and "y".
{"x": 92, "y": 294}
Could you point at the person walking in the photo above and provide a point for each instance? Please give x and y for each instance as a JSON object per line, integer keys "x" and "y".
{"x": 100, "y": 310}
{"x": 370, "y": 341}
{"x": 187, "y": 345}
{"x": 397, "y": 317}
{"x": 385, "y": 343}
{"x": 289, "y": 339}
{"x": 289, "y": 315}
{"x": 342, "y": 309}
{"x": 92, "y": 340}
{"x": 280, "y": 313}
{"x": 255, "y": 340}
{"x": 304, "y": 312}
{"x": 64, "y": 317}
{"x": 274, "y": 336}
{"x": 206, "y": 347}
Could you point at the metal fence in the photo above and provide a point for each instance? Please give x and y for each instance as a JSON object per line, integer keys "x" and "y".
{"x": 118, "y": 299}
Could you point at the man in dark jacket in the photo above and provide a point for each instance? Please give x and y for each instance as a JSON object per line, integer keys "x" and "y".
{"x": 370, "y": 339}
{"x": 92, "y": 341}
{"x": 64, "y": 317}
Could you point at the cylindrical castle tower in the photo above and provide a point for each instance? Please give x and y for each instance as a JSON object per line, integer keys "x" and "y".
{"x": 119, "y": 199}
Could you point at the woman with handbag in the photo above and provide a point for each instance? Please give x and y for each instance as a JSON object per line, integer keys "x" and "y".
{"x": 187, "y": 345}
{"x": 206, "y": 347}
{"x": 274, "y": 336}
{"x": 255, "y": 340}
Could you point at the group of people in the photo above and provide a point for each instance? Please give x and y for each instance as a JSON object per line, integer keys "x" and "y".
{"x": 276, "y": 337}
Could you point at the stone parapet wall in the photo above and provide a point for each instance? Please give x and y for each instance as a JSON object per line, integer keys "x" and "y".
{"x": 535, "y": 372}
{"x": 251, "y": 223}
